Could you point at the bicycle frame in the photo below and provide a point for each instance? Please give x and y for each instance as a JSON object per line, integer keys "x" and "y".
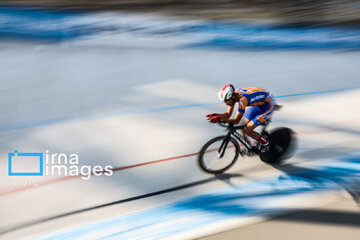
{"x": 232, "y": 131}
{"x": 241, "y": 139}
{"x": 280, "y": 137}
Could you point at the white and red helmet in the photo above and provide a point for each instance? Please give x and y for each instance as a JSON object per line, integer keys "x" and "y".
{"x": 226, "y": 92}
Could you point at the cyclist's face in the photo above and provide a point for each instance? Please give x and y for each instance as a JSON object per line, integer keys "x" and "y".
{"x": 231, "y": 101}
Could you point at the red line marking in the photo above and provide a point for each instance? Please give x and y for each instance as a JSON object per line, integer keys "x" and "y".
{"x": 156, "y": 161}
{"x": 52, "y": 181}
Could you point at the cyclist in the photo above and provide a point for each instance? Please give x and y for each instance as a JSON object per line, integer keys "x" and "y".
{"x": 262, "y": 106}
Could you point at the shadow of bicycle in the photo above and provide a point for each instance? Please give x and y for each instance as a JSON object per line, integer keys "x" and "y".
{"x": 345, "y": 173}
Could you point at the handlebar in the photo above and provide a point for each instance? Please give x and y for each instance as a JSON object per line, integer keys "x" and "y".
{"x": 229, "y": 125}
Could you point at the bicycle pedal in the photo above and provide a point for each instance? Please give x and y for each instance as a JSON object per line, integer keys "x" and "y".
{"x": 250, "y": 153}
{"x": 265, "y": 149}
{"x": 255, "y": 150}
{"x": 243, "y": 152}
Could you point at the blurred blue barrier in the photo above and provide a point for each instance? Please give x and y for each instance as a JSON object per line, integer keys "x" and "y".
{"x": 264, "y": 37}
{"x": 63, "y": 25}
{"x": 39, "y": 24}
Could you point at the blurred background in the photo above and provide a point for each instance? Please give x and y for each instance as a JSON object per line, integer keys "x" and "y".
{"x": 128, "y": 84}
{"x": 291, "y": 12}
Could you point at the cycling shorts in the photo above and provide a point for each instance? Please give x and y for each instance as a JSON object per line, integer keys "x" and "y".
{"x": 260, "y": 114}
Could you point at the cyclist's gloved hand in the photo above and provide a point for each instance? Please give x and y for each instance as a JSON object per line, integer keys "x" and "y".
{"x": 211, "y": 115}
{"x": 214, "y": 119}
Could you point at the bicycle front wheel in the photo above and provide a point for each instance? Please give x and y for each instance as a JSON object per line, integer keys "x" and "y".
{"x": 218, "y": 154}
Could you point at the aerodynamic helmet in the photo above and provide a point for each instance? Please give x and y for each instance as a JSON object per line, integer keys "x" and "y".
{"x": 226, "y": 92}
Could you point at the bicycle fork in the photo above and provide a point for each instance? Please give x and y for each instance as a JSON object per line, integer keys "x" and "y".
{"x": 223, "y": 146}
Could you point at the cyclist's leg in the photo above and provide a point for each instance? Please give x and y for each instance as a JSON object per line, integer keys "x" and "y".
{"x": 246, "y": 121}
{"x": 249, "y": 130}
{"x": 267, "y": 111}
{"x": 250, "y": 113}
{"x": 260, "y": 119}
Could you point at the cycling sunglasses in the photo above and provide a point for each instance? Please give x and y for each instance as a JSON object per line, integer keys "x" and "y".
{"x": 233, "y": 98}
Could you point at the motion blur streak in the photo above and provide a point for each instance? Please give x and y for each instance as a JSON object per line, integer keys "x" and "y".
{"x": 100, "y": 29}
{"x": 43, "y": 183}
{"x": 129, "y": 89}
{"x": 135, "y": 112}
{"x": 262, "y": 197}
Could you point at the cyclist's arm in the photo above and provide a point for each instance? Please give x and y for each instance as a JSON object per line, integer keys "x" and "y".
{"x": 236, "y": 119}
{"x": 226, "y": 115}
{"x": 242, "y": 105}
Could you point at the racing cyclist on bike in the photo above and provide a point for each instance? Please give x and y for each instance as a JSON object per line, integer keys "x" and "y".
{"x": 262, "y": 106}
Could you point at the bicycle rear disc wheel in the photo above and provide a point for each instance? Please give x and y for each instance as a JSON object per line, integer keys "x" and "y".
{"x": 282, "y": 145}
{"x": 210, "y": 160}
